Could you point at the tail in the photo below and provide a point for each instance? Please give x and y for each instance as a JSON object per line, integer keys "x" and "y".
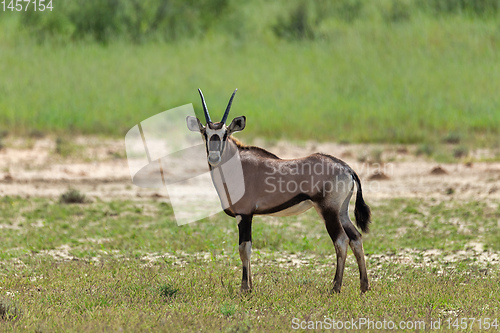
{"x": 361, "y": 210}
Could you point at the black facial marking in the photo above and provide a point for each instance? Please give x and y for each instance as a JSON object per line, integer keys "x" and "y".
{"x": 214, "y": 143}
{"x": 206, "y": 140}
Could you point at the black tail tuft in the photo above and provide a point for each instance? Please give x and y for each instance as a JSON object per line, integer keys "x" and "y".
{"x": 361, "y": 210}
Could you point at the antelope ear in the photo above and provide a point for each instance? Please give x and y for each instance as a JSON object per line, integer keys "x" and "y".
{"x": 238, "y": 124}
{"x": 194, "y": 124}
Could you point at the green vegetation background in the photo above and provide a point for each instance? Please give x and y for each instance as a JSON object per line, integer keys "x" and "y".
{"x": 399, "y": 71}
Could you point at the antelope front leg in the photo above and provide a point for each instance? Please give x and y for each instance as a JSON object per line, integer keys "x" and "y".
{"x": 245, "y": 249}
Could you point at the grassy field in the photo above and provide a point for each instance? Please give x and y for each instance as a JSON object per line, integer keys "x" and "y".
{"x": 127, "y": 265}
{"x": 425, "y": 79}
{"x": 420, "y": 76}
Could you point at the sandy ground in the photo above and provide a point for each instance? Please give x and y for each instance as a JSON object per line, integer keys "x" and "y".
{"x": 99, "y": 168}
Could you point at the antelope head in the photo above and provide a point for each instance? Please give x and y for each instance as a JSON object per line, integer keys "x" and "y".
{"x": 215, "y": 135}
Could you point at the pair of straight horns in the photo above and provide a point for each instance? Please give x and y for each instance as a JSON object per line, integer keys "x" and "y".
{"x": 226, "y": 113}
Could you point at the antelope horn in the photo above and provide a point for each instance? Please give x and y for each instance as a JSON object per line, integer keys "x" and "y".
{"x": 224, "y": 118}
{"x": 207, "y": 116}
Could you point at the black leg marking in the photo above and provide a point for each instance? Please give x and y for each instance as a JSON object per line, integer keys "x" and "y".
{"x": 245, "y": 249}
{"x": 245, "y": 274}
{"x": 245, "y": 228}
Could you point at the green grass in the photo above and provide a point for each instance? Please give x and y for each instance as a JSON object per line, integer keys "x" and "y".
{"x": 131, "y": 267}
{"x": 421, "y": 80}
{"x": 139, "y": 228}
{"x": 126, "y": 295}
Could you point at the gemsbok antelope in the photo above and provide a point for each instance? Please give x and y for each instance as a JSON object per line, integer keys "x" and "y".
{"x": 283, "y": 187}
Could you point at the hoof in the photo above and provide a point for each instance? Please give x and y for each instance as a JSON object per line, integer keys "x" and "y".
{"x": 245, "y": 289}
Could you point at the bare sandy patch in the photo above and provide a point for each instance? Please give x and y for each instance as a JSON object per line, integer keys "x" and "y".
{"x": 100, "y": 169}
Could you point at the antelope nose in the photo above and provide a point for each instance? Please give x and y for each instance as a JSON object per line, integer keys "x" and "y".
{"x": 214, "y": 158}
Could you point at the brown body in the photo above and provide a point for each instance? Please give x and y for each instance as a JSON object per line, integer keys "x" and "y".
{"x": 279, "y": 187}
{"x": 274, "y": 186}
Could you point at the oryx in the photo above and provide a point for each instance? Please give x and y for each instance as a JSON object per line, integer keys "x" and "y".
{"x": 283, "y": 187}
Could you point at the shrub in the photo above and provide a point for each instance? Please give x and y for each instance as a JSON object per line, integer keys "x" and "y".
{"x": 168, "y": 290}
{"x": 299, "y": 24}
{"x": 425, "y": 149}
{"x": 8, "y": 310}
{"x": 72, "y": 196}
{"x": 460, "y": 151}
{"x": 303, "y": 19}
{"x": 470, "y": 7}
{"x": 397, "y": 11}
{"x": 135, "y": 20}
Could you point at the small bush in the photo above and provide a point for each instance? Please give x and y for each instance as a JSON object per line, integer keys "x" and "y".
{"x": 305, "y": 17}
{"x": 36, "y": 134}
{"x": 425, "y": 149}
{"x": 452, "y": 137}
{"x": 398, "y": 11}
{"x": 348, "y": 10}
{"x": 8, "y": 310}
{"x": 72, "y": 196}
{"x": 299, "y": 24}
{"x": 63, "y": 147}
{"x": 469, "y": 7}
{"x": 168, "y": 290}
{"x": 134, "y": 20}
{"x": 460, "y": 151}
{"x": 227, "y": 310}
